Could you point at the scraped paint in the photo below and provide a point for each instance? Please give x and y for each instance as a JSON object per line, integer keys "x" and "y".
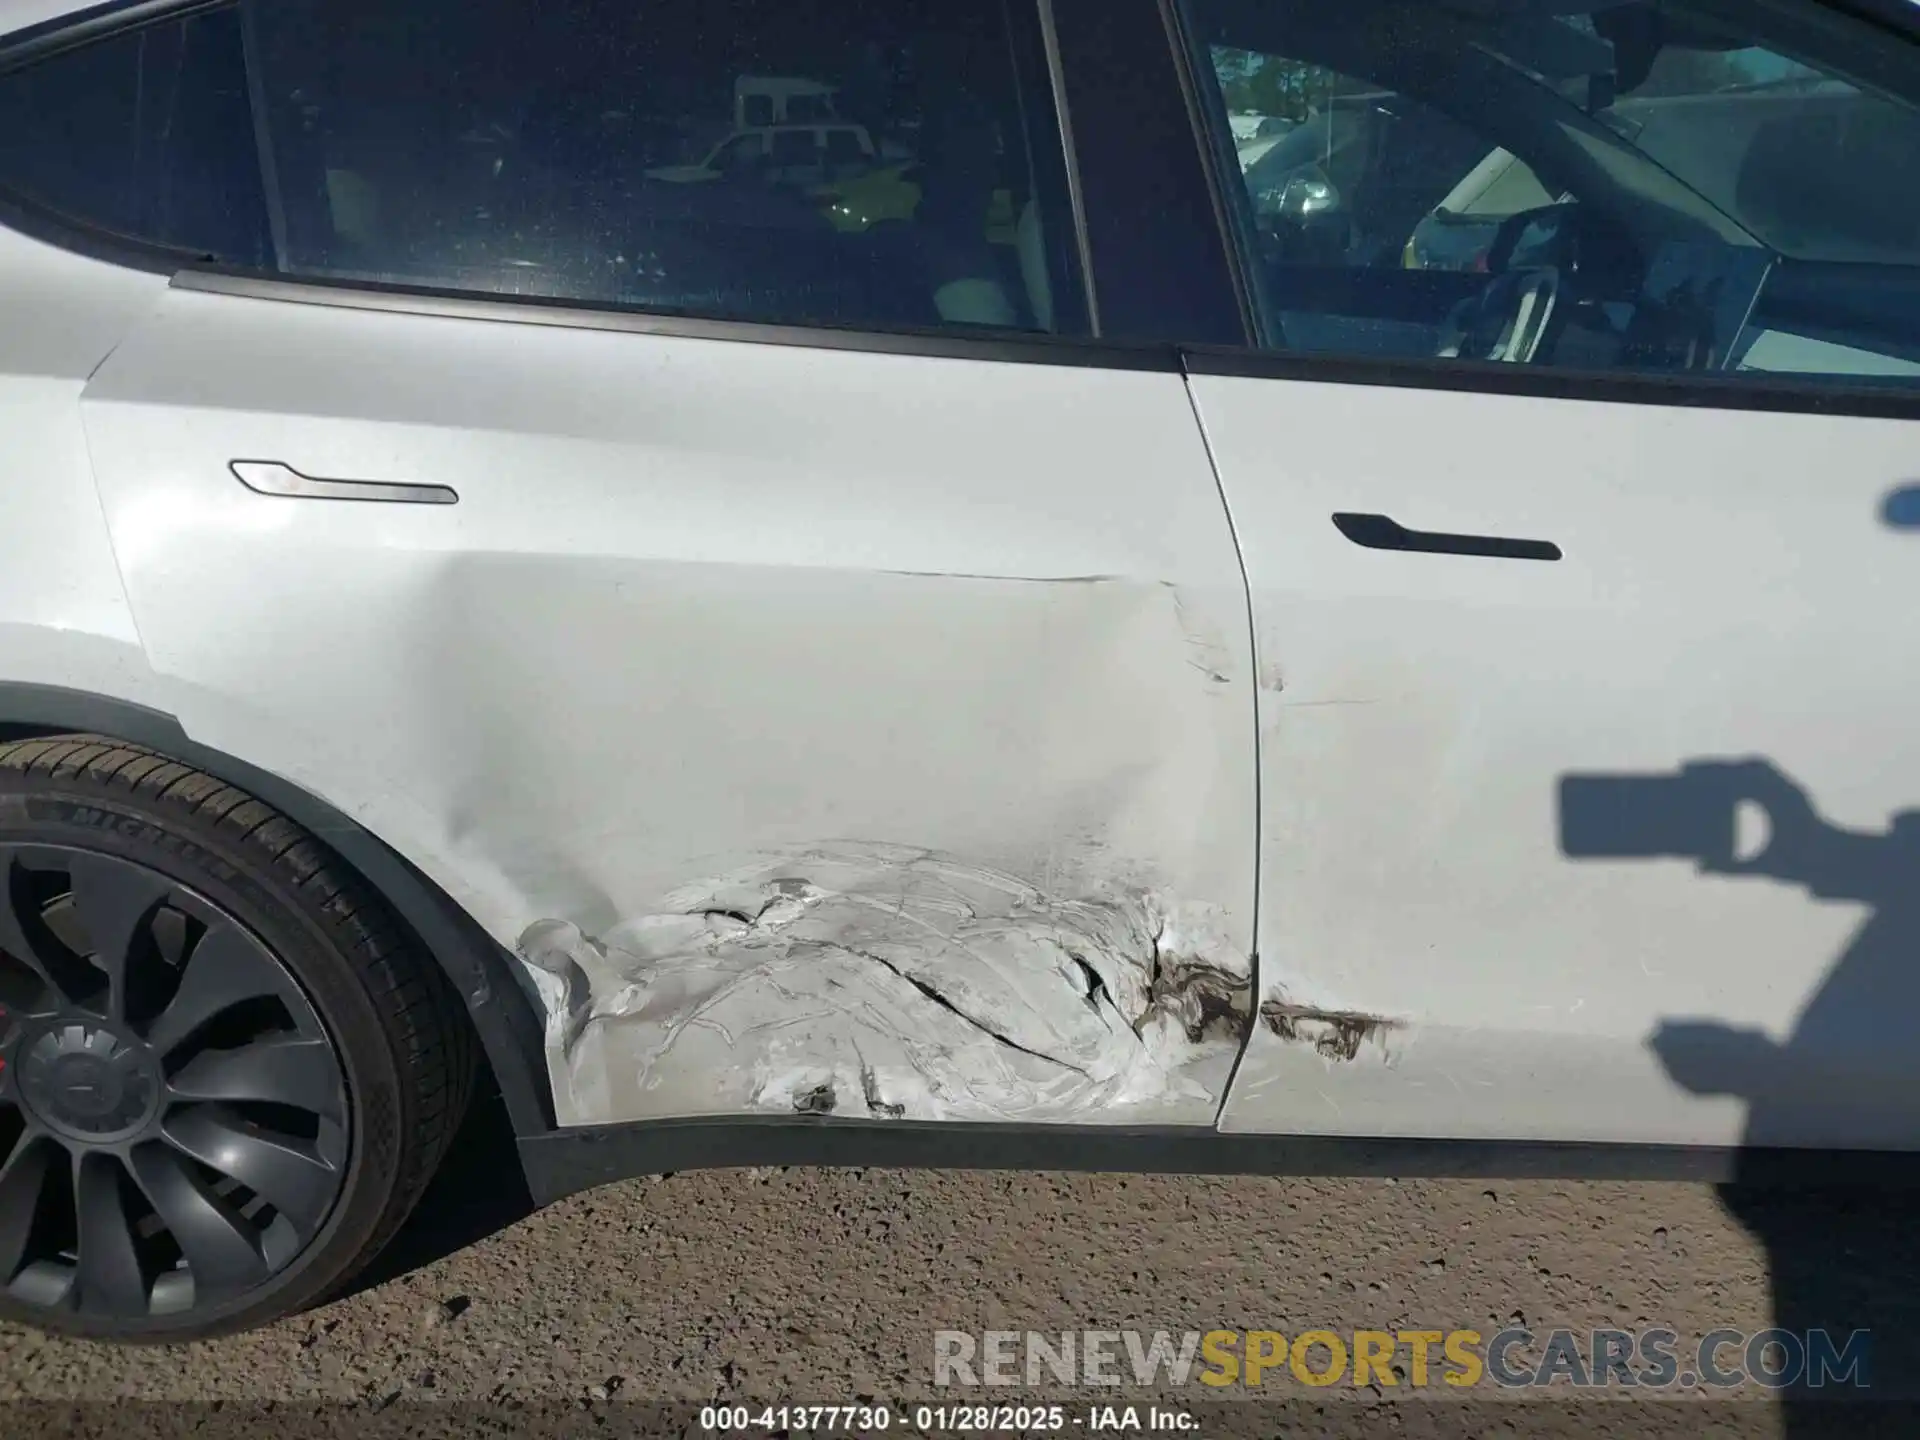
{"x": 1332, "y": 1034}
{"x": 887, "y": 982}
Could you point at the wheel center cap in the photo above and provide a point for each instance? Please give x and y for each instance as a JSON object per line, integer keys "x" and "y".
{"x": 88, "y": 1082}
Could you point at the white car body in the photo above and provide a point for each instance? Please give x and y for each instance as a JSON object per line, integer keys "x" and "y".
{"x": 958, "y": 738}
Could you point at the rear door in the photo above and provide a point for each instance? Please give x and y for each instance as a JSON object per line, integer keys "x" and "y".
{"x": 840, "y": 707}
{"x": 1586, "y": 711}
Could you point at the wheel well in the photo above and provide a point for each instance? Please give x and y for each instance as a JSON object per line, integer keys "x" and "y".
{"x": 511, "y": 1041}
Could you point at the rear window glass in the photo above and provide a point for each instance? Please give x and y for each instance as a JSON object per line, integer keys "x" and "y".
{"x": 147, "y": 134}
{"x": 866, "y": 163}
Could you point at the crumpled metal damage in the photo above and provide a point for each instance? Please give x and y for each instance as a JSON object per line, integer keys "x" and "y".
{"x": 888, "y": 982}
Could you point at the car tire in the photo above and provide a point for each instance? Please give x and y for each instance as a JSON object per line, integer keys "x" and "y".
{"x": 227, "y": 1072}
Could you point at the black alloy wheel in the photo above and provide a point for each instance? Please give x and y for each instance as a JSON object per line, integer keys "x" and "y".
{"x": 227, "y": 1070}
{"x": 174, "y": 1114}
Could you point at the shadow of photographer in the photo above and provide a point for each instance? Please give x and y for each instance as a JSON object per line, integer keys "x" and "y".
{"x": 1841, "y": 1259}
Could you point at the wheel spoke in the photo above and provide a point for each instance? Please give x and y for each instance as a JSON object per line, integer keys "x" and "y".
{"x": 218, "y": 1244}
{"x": 285, "y": 1171}
{"x": 170, "y": 936}
{"x": 183, "y": 1123}
{"x": 22, "y": 1179}
{"x": 115, "y": 904}
{"x": 110, "y": 1277}
{"x": 226, "y": 969}
{"x": 23, "y": 937}
{"x": 285, "y": 1069}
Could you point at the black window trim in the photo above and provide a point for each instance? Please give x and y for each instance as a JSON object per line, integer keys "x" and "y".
{"x": 266, "y": 156}
{"x": 1004, "y": 346}
{"x": 1158, "y": 261}
{"x": 1212, "y": 162}
{"x": 95, "y": 22}
{"x": 91, "y": 241}
{"x": 1606, "y": 387}
{"x": 196, "y": 271}
{"x": 1063, "y": 125}
{"x": 1900, "y": 19}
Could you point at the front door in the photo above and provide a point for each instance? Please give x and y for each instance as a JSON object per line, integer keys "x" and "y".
{"x": 1578, "y": 566}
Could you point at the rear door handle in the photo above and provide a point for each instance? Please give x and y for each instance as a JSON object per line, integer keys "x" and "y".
{"x": 1377, "y": 532}
{"x": 271, "y": 477}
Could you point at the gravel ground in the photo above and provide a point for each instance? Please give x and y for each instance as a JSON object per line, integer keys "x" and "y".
{"x": 821, "y": 1286}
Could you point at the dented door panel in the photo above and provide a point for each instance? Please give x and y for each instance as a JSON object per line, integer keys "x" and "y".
{"x": 828, "y": 731}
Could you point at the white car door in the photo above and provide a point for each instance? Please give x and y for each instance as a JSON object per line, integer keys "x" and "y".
{"x": 846, "y": 721}
{"x": 1563, "y": 658}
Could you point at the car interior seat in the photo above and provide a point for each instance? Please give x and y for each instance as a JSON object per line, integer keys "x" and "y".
{"x": 960, "y": 176}
{"x": 1031, "y": 243}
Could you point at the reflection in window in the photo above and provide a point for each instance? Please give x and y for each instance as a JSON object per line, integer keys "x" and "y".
{"x": 837, "y": 161}
{"x": 873, "y": 163}
{"x": 1629, "y": 185}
